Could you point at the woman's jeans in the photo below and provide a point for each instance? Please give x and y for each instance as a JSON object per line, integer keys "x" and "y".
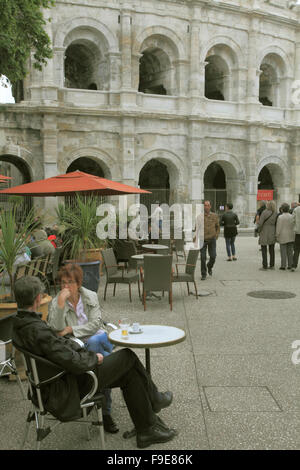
{"x": 99, "y": 343}
{"x": 264, "y": 253}
{"x": 230, "y": 247}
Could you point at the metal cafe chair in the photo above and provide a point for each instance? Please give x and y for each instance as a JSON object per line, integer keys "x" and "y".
{"x": 40, "y": 372}
{"x": 157, "y": 275}
{"x": 189, "y": 273}
{"x": 115, "y": 276}
{"x": 7, "y": 350}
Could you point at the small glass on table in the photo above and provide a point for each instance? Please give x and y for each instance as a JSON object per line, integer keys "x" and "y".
{"x": 124, "y": 324}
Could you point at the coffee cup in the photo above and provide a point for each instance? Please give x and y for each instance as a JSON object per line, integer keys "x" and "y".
{"x": 136, "y": 327}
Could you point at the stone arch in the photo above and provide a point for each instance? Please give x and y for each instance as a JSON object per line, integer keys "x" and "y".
{"x": 65, "y": 29}
{"x": 276, "y": 51}
{"x": 111, "y": 169}
{"x": 19, "y": 165}
{"x": 273, "y": 78}
{"x": 159, "y": 50}
{"x": 83, "y": 51}
{"x": 234, "y": 177}
{"x": 169, "y": 34}
{"x": 227, "y": 41}
{"x": 278, "y": 168}
{"x": 222, "y": 60}
{"x": 175, "y": 167}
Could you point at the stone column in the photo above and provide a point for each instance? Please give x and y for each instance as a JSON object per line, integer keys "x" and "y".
{"x": 128, "y": 95}
{"x": 250, "y": 191}
{"x": 127, "y": 145}
{"x": 253, "y": 71}
{"x": 59, "y": 66}
{"x": 43, "y": 86}
{"x": 196, "y": 70}
{"x": 49, "y": 140}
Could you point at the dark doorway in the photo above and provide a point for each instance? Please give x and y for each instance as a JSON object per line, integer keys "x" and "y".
{"x": 154, "y": 176}
{"x": 215, "y": 187}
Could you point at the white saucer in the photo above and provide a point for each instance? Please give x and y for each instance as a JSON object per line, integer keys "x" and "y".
{"x": 135, "y": 332}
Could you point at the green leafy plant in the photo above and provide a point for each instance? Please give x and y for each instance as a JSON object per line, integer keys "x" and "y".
{"x": 78, "y": 224}
{"x": 12, "y": 240}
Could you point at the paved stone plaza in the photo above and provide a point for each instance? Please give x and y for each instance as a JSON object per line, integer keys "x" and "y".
{"x": 234, "y": 384}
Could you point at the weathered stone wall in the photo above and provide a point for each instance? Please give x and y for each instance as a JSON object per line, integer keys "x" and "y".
{"x": 122, "y": 129}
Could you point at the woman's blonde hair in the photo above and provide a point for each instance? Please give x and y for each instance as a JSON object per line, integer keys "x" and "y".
{"x": 271, "y": 206}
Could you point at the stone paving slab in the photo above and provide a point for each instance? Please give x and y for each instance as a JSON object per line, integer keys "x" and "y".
{"x": 234, "y": 344}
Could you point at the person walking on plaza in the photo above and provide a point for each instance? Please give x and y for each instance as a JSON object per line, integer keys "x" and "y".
{"x": 229, "y": 221}
{"x": 210, "y": 233}
{"x": 285, "y": 236}
{"x": 120, "y": 369}
{"x": 266, "y": 229}
{"x": 296, "y": 223}
{"x": 76, "y": 311}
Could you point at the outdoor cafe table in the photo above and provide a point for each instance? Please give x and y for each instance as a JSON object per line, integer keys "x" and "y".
{"x": 155, "y": 247}
{"x": 152, "y": 336}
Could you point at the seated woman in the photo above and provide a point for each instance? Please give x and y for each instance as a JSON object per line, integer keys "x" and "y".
{"x": 76, "y": 311}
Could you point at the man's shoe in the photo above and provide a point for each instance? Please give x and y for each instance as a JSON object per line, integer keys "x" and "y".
{"x": 155, "y": 435}
{"x": 203, "y": 278}
{"x": 209, "y": 271}
{"x": 292, "y": 270}
{"x": 282, "y": 269}
{"x": 109, "y": 424}
{"x": 163, "y": 401}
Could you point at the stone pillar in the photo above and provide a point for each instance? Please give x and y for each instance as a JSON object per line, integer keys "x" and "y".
{"x": 250, "y": 190}
{"x": 59, "y": 66}
{"x": 253, "y": 72}
{"x": 43, "y": 87}
{"x": 128, "y": 95}
{"x": 127, "y": 146}
{"x": 49, "y": 140}
{"x": 114, "y": 60}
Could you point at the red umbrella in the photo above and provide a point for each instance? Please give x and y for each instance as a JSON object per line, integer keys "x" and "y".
{"x": 3, "y": 178}
{"x": 71, "y": 183}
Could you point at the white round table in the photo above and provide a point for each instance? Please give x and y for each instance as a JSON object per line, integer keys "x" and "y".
{"x": 155, "y": 247}
{"x": 152, "y": 336}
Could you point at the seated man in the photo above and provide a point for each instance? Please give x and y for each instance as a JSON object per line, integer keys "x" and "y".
{"x": 120, "y": 369}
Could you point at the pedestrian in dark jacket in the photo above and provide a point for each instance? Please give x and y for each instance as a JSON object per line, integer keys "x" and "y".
{"x": 120, "y": 369}
{"x": 229, "y": 221}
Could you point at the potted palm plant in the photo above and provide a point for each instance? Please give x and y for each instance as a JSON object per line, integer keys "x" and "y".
{"x": 13, "y": 235}
{"x": 78, "y": 226}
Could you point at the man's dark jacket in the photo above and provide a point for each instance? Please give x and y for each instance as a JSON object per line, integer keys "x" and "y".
{"x": 230, "y": 220}
{"x": 62, "y": 397}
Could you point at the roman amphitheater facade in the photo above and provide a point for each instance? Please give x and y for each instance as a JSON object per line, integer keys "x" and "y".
{"x": 191, "y": 99}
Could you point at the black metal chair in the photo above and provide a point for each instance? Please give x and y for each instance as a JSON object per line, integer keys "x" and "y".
{"x": 157, "y": 275}
{"x": 7, "y": 350}
{"x": 189, "y": 274}
{"x": 116, "y": 276}
{"x": 41, "y": 372}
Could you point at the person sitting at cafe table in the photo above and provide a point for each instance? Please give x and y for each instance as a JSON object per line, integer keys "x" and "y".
{"x": 76, "y": 311}
{"x": 120, "y": 369}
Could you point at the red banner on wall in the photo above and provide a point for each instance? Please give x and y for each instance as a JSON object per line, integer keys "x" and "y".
{"x": 265, "y": 195}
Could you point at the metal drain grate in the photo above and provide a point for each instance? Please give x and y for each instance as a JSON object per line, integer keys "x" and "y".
{"x": 271, "y": 294}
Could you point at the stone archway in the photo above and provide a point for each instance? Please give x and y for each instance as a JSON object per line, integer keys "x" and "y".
{"x": 273, "y": 174}
{"x": 223, "y": 179}
{"x": 19, "y": 170}
{"x": 87, "y": 165}
{"x": 174, "y": 167}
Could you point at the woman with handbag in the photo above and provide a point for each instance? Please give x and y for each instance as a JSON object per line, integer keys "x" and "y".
{"x": 267, "y": 229}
